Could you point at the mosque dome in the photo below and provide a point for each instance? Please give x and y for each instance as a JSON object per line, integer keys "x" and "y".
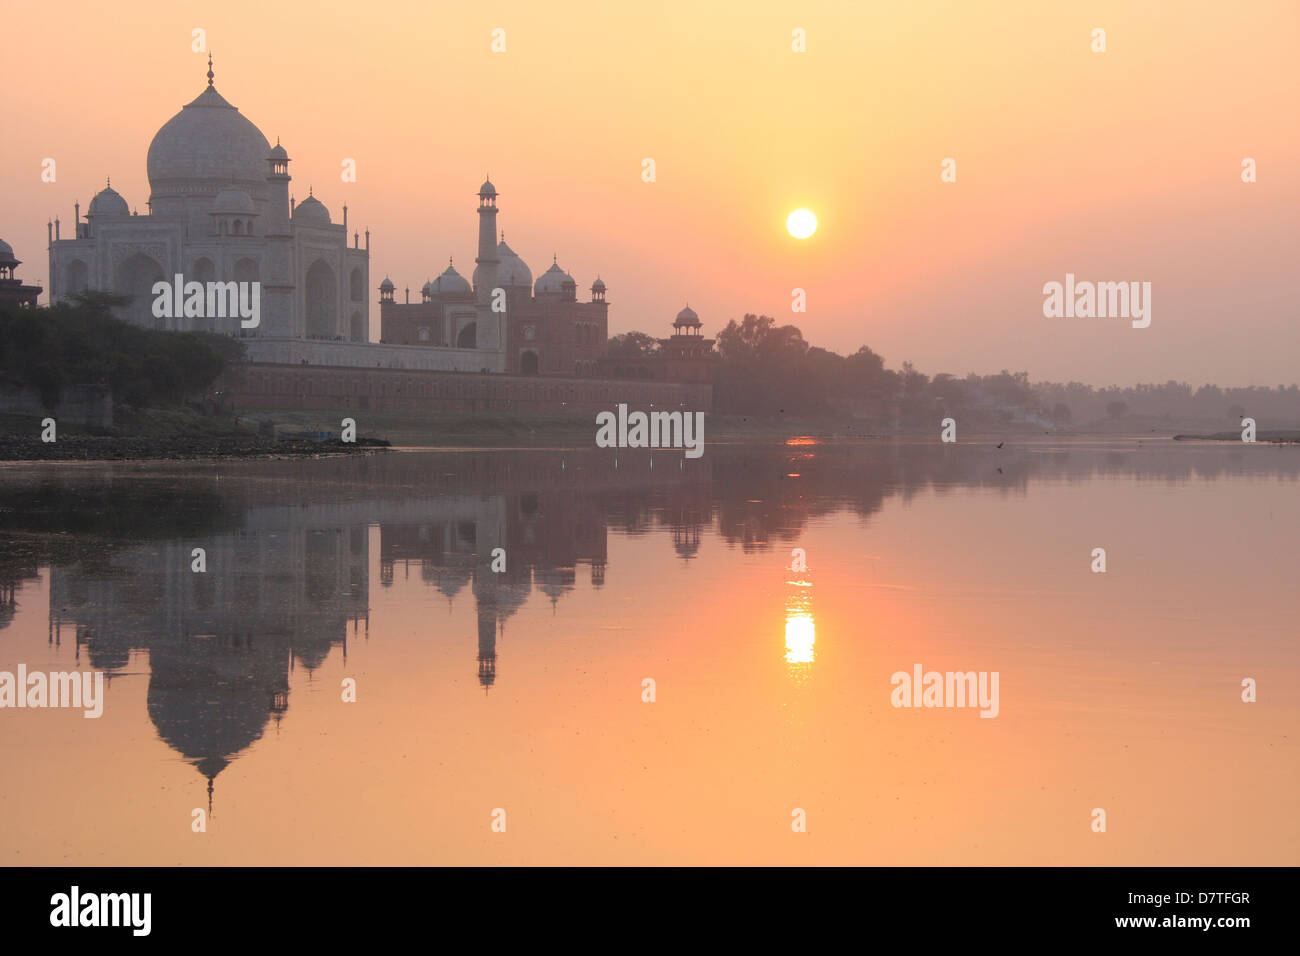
{"x": 487, "y": 189}
{"x": 108, "y": 202}
{"x": 553, "y": 279}
{"x": 427, "y": 289}
{"x": 687, "y": 317}
{"x": 208, "y": 139}
{"x": 232, "y": 201}
{"x": 311, "y": 212}
{"x": 450, "y": 281}
{"x": 598, "y": 285}
{"x": 7, "y": 254}
{"x": 387, "y": 285}
{"x": 512, "y": 271}
{"x": 278, "y": 152}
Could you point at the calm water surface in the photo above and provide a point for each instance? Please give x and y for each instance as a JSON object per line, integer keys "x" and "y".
{"x": 523, "y": 690}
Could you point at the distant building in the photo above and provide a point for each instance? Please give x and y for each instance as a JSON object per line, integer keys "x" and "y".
{"x": 12, "y": 290}
{"x": 548, "y": 332}
{"x": 685, "y": 356}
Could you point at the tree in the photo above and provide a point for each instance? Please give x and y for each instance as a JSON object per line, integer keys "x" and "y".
{"x": 632, "y": 345}
{"x": 1116, "y": 409}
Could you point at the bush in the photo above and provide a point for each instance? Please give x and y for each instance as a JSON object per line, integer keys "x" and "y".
{"x": 79, "y": 342}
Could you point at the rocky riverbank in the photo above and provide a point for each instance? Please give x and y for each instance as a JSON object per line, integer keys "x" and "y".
{"x": 177, "y": 448}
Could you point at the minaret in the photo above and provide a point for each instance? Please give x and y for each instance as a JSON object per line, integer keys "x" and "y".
{"x": 490, "y": 325}
{"x": 277, "y": 284}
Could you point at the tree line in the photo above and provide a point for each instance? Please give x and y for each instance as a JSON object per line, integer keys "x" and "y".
{"x": 767, "y": 370}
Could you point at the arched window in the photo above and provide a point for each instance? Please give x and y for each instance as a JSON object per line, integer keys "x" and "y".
{"x": 78, "y": 276}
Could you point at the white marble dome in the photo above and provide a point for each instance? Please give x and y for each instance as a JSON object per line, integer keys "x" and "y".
{"x": 450, "y": 281}
{"x": 108, "y": 202}
{"x": 553, "y": 279}
{"x": 311, "y": 212}
{"x": 512, "y": 271}
{"x": 687, "y": 317}
{"x": 207, "y": 140}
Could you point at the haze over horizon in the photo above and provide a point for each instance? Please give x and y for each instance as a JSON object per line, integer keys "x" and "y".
{"x": 1115, "y": 166}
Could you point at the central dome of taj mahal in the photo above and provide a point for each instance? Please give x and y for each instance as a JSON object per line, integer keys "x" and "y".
{"x": 209, "y": 143}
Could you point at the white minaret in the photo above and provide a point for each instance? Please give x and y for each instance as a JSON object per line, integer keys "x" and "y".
{"x": 490, "y": 325}
{"x": 277, "y": 274}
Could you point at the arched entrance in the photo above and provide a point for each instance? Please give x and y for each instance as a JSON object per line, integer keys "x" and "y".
{"x": 468, "y": 337}
{"x": 78, "y": 276}
{"x": 528, "y": 363}
{"x": 322, "y": 301}
{"x": 135, "y": 278}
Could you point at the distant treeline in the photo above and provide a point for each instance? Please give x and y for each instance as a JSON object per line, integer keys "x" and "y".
{"x": 766, "y": 371}
{"x": 79, "y": 342}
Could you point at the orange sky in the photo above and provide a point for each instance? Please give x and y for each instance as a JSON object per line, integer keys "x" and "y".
{"x": 1123, "y": 165}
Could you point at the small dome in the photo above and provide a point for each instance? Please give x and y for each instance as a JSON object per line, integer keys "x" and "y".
{"x": 387, "y": 285}
{"x": 427, "y": 288}
{"x": 553, "y": 279}
{"x": 598, "y": 285}
{"x": 687, "y": 317}
{"x": 231, "y": 201}
{"x": 312, "y": 212}
{"x": 7, "y": 254}
{"x": 108, "y": 202}
{"x": 487, "y": 189}
{"x": 278, "y": 152}
{"x": 450, "y": 282}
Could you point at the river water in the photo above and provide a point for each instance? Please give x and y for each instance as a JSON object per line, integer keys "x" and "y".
{"x": 681, "y": 661}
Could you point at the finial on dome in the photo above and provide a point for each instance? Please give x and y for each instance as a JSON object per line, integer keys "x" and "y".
{"x": 503, "y": 235}
{"x": 210, "y": 68}
{"x": 450, "y": 262}
{"x": 309, "y": 192}
{"x": 108, "y": 182}
{"x": 554, "y": 260}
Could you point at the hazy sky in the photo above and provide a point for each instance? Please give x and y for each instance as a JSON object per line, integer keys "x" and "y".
{"x": 1115, "y": 166}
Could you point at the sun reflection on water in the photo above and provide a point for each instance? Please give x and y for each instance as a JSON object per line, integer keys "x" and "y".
{"x": 800, "y": 636}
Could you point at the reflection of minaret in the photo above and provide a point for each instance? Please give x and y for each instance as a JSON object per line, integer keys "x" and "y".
{"x": 487, "y": 646}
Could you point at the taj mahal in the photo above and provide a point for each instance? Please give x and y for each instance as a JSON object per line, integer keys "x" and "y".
{"x": 220, "y": 210}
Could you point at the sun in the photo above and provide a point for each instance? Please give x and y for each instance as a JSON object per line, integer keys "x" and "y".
{"x": 801, "y": 223}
